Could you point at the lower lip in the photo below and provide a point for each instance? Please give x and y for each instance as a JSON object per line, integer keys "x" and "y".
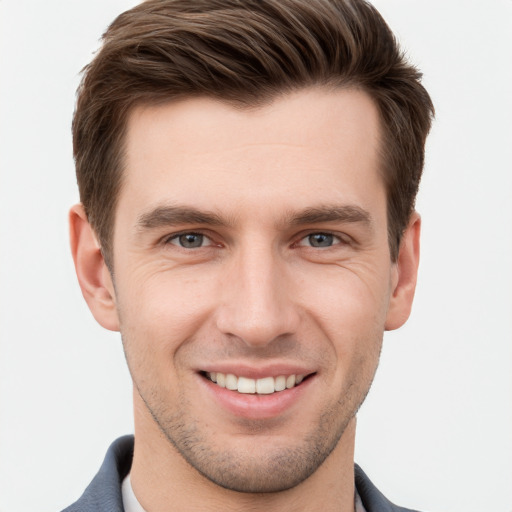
{"x": 254, "y": 406}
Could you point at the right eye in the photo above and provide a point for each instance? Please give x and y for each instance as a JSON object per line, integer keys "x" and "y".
{"x": 190, "y": 240}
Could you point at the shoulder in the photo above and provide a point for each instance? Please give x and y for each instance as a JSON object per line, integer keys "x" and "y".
{"x": 104, "y": 492}
{"x": 373, "y": 500}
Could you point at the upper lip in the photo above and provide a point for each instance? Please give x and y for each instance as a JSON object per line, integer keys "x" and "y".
{"x": 257, "y": 372}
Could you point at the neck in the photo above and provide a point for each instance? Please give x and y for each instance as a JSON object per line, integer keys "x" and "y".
{"x": 163, "y": 481}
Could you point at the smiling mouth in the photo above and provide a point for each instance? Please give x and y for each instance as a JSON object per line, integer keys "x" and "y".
{"x": 263, "y": 386}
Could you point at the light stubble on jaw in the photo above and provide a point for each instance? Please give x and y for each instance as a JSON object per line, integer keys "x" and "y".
{"x": 264, "y": 473}
{"x": 278, "y": 471}
{"x": 271, "y": 471}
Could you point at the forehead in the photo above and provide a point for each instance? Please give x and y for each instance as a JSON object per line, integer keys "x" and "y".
{"x": 312, "y": 143}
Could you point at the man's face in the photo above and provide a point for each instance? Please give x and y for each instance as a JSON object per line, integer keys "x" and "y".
{"x": 252, "y": 245}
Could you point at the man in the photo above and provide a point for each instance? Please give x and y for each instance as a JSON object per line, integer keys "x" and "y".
{"x": 247, "y": 174}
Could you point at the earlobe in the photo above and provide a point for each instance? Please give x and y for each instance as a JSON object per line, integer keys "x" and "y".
{"x": 404, "y": 284}
{"x": 92, "y": 272}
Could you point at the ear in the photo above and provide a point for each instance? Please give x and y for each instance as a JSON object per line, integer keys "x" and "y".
{"x": 405, "y": 275}
{"x": 92, "y": 272}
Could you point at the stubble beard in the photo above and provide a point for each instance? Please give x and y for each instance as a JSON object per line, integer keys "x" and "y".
{"x": 270, "y": 470}
{"x": 267, "y": 469}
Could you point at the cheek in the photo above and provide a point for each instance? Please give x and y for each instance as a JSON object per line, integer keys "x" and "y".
{"x": 350, "y": 308}
{"x": 355, "y": 296}
{"x": 161, "y": 310}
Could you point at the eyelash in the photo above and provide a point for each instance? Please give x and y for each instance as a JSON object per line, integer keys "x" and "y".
{"x": 335, "y": 240}
{"x": 177, "y": 236}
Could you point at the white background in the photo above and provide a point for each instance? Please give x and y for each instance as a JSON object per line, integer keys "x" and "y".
{"x": 436, "y": 431}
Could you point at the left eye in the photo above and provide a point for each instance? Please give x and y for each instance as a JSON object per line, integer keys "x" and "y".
{"x": 190, "y": 240}
{"x": 320, "y": 240}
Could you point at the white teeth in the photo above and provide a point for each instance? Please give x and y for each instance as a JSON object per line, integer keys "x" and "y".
{"x": 246, "y": 385}
{"x": 221, "y": 380}
{"x": 280, "y": 383}
{"x": 263, "y": 386}
{"x": 231, "y": 382}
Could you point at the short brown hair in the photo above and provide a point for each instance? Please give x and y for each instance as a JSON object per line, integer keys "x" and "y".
{"x": 245, "y": 52}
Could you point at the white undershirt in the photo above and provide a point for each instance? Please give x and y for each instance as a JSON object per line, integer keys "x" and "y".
{"x": 131, "y": 503}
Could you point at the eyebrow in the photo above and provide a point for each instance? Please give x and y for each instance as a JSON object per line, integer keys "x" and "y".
{"x": 175, "y": 215}
{"x": 331, "y": 213}
{"x": 169, "y": 215}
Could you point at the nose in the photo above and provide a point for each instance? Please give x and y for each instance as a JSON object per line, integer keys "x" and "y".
{"x": 256, "y": 301}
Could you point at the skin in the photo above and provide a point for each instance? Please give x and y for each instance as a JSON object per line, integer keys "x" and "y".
{"x": 256, "y": 294}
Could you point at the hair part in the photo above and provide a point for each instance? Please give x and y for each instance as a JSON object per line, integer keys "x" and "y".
{"x": 245, "y": 53}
